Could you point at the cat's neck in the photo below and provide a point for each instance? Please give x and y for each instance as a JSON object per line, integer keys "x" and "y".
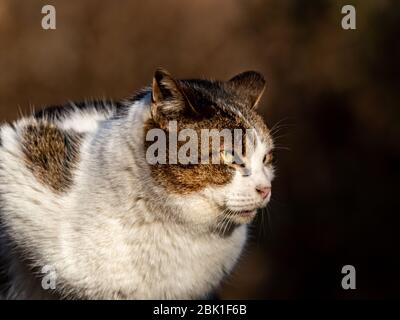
{"x": 115, "y": 177}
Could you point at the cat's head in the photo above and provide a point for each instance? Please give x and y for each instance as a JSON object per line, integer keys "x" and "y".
{"x": 234, "y": 179}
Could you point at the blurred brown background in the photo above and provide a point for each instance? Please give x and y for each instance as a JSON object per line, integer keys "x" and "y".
{"x": 332, "y": 91}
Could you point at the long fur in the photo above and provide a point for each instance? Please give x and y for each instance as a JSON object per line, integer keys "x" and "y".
{"x": 111, "y": 232}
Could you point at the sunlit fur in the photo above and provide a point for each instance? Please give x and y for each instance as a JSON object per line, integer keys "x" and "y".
{"x": 113, "y": 232}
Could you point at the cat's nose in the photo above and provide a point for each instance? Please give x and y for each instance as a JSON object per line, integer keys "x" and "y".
{"x": 263, "y": 191}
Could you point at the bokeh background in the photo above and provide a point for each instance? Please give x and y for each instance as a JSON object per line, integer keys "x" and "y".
{"x": 332, "y": 93}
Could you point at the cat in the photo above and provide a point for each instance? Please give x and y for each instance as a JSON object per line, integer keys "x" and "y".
{"x": 79, "y": 197}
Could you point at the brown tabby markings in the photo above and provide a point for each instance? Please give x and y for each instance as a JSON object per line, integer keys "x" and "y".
{"x": 184, "y": 179}
{"x": 51, "y": 154}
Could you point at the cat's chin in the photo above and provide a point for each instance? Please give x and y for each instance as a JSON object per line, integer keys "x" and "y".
{"x": 245, "y": 216}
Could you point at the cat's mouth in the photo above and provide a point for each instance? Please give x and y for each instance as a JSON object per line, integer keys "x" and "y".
{"x": 242, "y": 216}
{"x": 246, "y": 213}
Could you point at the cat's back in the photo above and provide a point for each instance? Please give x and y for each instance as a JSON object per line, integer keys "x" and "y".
{"x": 39, "y": 155}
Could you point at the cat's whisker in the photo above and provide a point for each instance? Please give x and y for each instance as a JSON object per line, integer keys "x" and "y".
{"x": 279, "y": 122}
{"x": 261, "y": 213}
{"x": 281, "y": 147}
{"x": 274, "y": 134}
{"x": 228, "y": 221}
{"x": 281, "y": 136}
{"x": 84, "y": 168}
{"x": 269, "y": 221}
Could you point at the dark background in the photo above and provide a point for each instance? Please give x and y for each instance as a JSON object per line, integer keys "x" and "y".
{"x": 331, "y": 92}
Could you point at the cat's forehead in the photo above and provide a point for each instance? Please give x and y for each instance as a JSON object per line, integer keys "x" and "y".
{"x": 225, "y": 108}
{"x": 207, "y": 92}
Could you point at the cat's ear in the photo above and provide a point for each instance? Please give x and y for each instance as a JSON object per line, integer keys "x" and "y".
{"x": 164, "y": 87}
{"x": 250, "y": 86}
{"x": 168, "y": 100}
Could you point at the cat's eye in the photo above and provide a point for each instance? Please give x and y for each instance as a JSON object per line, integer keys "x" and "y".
{"x": 268, "y": 158}
{"x": 227, "y": 156}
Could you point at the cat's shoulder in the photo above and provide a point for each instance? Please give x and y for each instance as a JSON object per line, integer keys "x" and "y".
{"x": 73, "y": 118}
{"x": 81, "y": 116}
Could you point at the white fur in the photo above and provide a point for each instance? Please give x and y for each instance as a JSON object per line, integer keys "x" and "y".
{"x": 116, "y": 234}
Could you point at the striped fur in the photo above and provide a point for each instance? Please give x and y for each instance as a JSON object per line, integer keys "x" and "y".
{"x": 77, "y": 194}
